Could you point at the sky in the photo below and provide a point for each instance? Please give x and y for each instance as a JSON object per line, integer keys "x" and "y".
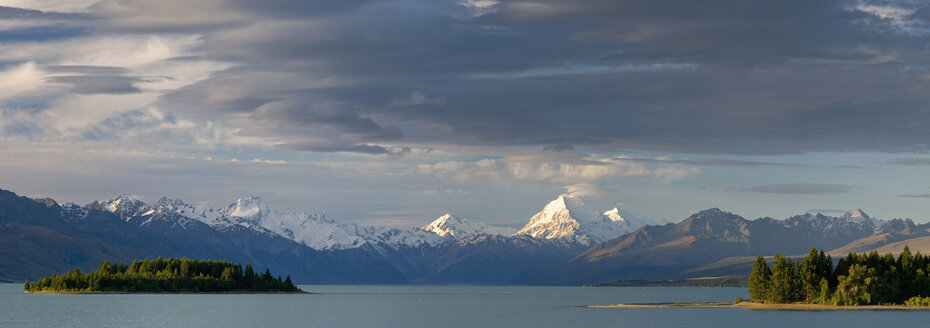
{"x": 395, "y": 112}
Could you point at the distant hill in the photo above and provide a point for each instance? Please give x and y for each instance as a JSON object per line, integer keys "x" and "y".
{"x": 891, "y": 238}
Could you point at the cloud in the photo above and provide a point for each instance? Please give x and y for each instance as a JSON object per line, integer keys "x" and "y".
{"x": 579, "y": 176}
{"x": 802, "y": 188}
{"x": 588, "y": 190}
{"x": 19, "y": 79}
{"x": 713, "y": 162}
{"x": 68, "y": 6}
{"x": 659, "y": 76}
{"x": 87, "y": 69}
{"x": 360, "y": 148}
{"x": 558, "y": 148}
{"x": 417, "y": 98}
{"x": 89, "y": 85}
{"x": 589, "y": 74}
{"x": 11, "y": 12}
{"x": 917, "y": 195}
{"x": 925, "y": 195}
{"x": 910, "y": 161}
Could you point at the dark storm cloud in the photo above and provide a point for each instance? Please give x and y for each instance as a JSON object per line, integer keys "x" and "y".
{"x": 802, "y": 188}
{"x": 89, "y": 85}
{"x": 720, "y": 77}
{"x": 728, "y": 32}
{"x": 334, "y": 117}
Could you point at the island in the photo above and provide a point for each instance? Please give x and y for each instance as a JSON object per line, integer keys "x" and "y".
{"x": 856, "y": 279}
{"x": 856, "y": 282}
{"x": 163, "y": 275}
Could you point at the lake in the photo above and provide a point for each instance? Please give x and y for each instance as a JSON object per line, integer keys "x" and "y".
{"x": 420, "y": 306}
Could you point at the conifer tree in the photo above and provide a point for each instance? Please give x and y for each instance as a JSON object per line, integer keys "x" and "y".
{"x": 811, "y": 274}
{"x": 759, "y": 280}
{"x": 785, "y": 284}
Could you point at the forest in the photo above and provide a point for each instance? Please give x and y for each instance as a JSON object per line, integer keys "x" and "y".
{"x": 165, "y": 276}
{"x": 856, "y": 279}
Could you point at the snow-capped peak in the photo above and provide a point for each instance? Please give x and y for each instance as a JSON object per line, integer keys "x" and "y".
{"x": 614, "y": 215}
{"x": 447, "y": 225}
{"x": 573, "y": 206}
{"x": 452, "y": 226}
{"x": 313, "y": 230}
{"x": 568, "y": 217}
{"x": 251, "y": 207}
{"x": 125, "y": 206}
{"x": 856, "y": 215}
{"x": 201, "y": 211}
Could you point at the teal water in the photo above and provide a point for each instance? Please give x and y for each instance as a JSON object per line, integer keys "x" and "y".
{"x": 420, "y": 306}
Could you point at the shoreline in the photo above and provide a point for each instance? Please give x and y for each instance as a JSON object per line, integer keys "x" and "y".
{"x": 157, "y": 293}
{"x": 759, "y": 306}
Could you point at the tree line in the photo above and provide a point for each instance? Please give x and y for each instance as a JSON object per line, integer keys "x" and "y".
{"x": 165, "y": 275}
{"x": 856, "y": 279}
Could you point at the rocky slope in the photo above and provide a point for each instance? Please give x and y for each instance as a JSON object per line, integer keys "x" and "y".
{"x": 669, "y": 251}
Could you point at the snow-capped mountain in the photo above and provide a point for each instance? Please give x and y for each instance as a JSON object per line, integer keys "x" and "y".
{"x": 854, "y": 220}
{"x": 200, "y": 212}
{"x": 380, "y": 237}
{"x": 563, "y": 219}
{"x": 314, "y": 230}
{"x": 123, "y": 205}
{"x": 449, "y": 225}
{"x": 629, "y": 222}
{"x": 857, "y": 216}
{"x": 449, "y": 249}
{"x": 567, "y": 218}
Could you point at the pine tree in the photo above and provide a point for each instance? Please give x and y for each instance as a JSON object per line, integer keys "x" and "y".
{"x": 811, "y": 274}
{"x": 249, "y": 280}
{"x": 785, "y": 286}
{"x": 759, "y": 280}
{"x": 289, "y": 284}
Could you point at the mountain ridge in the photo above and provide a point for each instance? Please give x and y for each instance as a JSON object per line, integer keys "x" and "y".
{"x": 41, "y": 235}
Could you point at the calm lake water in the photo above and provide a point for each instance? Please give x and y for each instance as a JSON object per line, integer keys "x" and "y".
{"x": 421, "y": 306}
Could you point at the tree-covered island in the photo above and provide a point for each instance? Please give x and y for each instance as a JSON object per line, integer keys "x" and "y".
{"x": 857, "y": 279}
{"x": 165, "y": 276}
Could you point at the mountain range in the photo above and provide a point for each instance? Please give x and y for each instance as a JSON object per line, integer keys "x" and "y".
{"x": 564, "y": 243}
